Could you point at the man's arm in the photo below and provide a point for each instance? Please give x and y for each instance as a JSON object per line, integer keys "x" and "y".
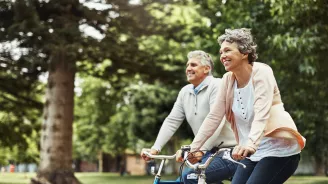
{"x": 171, "y": 123}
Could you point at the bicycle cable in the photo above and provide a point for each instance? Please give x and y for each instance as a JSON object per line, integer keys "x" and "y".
{"x": 182, "y": 165}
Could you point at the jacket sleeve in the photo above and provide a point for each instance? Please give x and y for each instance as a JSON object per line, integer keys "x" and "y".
{"x": 214, "y": 87}
{"x": 171, "y": 123}
{"x": 212, "y": 120}
{"x": 264, "y": 83}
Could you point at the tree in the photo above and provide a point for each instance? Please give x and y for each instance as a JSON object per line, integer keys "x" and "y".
{"x": 20, "y": 109}
{"x": 102, "y": 116}
{"x": 95, "y": 130}
{"x": 21, "y": 153}
{"x": 301, "y": 40}
{"x": 20, "y": 103}
{"x": 50, "y": 34}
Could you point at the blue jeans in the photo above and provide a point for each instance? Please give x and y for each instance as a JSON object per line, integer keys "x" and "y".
{"x": 269, "y": 170}
{"x": 218, "y": 170}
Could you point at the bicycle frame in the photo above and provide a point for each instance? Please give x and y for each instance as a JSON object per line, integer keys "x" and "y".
{"x": 163, "y": 158}
{"x": 157, "y": 179}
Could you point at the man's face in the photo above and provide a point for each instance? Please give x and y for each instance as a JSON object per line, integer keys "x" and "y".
{"x": 195, "y": 71}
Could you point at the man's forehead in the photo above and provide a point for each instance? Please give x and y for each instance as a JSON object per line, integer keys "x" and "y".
{"x": 193, "y": 60}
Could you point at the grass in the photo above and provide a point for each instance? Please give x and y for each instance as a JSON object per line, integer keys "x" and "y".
{"x": 113, "y": 178}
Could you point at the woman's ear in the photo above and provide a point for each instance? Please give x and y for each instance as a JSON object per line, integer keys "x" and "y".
{"x": 245, "y": 56}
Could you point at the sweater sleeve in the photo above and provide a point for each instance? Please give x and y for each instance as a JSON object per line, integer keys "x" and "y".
{"x": 214, "y": 91}
{"x": 212, "y": 120}
{"x": 264, "y": 83}
{"x": 171, "y": 123}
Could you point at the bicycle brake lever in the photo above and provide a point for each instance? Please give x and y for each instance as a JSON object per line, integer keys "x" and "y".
{"x": 226, "y": 155}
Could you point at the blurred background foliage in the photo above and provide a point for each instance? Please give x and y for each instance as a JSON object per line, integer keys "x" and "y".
{"x": 124, "y": 92}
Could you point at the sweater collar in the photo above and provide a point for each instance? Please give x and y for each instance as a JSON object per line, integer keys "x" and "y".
{"x": 201, "y": 86}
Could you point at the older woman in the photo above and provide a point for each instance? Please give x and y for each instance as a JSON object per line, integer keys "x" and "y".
{"x": 250, "y": 99}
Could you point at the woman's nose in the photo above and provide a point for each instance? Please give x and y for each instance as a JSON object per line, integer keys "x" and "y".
{"x": 222, "y": 56}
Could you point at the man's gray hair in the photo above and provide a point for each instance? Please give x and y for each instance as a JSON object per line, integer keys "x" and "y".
{"x": 205, "y": 58}
{"x": 244, "y": 39}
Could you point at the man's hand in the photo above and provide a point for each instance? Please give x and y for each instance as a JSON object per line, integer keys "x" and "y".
{"x": 178, "y": 156}
{"x": 151, "y": 151}
{"x": 241, "y": 152}
{"x": 192, "y": 157}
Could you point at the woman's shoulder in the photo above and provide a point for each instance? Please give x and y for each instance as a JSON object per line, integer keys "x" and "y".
{"x": 261, "y": 69}
{"x": 227, "y": 76}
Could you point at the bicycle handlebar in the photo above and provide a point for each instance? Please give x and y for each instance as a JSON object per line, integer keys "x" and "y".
{"x": 226, "y": 156}
{"x": 208, "y": 161}
{"x": 225, "y": 151}
{"x": 169, "y": 157}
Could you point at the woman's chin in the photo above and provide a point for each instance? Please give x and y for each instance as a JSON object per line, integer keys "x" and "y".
{"x": 227, "y": 68}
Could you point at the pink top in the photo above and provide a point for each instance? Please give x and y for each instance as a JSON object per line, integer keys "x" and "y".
{"x": 270, "y": 117}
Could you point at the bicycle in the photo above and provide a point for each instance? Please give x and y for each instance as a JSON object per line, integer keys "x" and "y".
{"x": 199, "y": 168}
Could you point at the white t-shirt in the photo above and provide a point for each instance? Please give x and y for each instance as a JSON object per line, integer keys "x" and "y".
{"x": 243, "y": 109}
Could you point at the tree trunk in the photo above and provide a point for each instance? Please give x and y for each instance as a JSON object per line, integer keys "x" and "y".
{"x": 319, "y": 167}
{"x": 56, "y": 136}
{"x": 122, "y": 164}
{"x": 100, "y": 161}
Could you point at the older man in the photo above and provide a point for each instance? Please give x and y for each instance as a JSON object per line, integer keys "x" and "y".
{"x": 193, "y": 103}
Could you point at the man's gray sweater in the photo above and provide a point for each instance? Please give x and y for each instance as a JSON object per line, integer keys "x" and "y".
{"x": 195, "y": 107}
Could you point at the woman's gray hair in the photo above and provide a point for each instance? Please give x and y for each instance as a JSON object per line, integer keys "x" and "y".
{"x": 244, "y": 39}
{"x": 205, "y": 58}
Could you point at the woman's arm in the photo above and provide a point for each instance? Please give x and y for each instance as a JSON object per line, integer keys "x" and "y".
{"x": 213, "y": 119}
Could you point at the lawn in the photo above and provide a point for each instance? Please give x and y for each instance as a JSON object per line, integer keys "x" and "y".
{"x": 110, "y": 178}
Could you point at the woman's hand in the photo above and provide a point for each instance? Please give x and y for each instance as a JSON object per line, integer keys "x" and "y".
{"x": 241, "y": 152}
{"x": 192, "y": 157}
{"x": 195, "y": 157}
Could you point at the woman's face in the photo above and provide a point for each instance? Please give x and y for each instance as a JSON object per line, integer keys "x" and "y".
{"x": 230, "y": 56}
